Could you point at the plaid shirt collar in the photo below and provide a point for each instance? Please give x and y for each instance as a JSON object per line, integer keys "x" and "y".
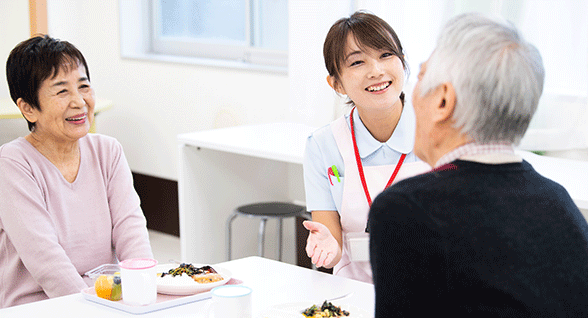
{"x": 473, "y": 148}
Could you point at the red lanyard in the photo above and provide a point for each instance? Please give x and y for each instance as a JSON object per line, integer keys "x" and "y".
{"x": 360, "y": 166}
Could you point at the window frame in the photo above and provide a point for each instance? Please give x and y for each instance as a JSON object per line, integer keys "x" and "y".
{"x": 242, "y": 53}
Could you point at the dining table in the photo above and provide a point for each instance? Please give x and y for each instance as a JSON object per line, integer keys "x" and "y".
{"x": 278, "y": 290}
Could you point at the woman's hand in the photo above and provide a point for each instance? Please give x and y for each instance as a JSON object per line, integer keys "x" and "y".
{"x": 321, "y": 246}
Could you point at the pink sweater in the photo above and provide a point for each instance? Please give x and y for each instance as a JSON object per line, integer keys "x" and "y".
{"x": 53, "y": 231}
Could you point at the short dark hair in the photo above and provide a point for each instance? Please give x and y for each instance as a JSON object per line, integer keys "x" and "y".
{"x": 34, "y": 60}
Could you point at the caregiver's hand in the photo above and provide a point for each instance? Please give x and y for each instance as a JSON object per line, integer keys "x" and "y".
{"x": 321, "y": 246}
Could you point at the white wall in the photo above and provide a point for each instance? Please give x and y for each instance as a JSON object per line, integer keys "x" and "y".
{"x": 153, "y": 102}
{"x": 312, "y": 101}
{"x": 14, "y": 28}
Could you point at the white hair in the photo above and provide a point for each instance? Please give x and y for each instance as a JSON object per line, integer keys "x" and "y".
{"x": 497, "y": 76}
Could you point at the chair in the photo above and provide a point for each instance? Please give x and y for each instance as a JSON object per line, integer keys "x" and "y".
{"x": 264, "y": 211}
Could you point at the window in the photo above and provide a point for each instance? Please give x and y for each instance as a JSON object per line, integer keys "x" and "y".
{"x": 247, "y": 31}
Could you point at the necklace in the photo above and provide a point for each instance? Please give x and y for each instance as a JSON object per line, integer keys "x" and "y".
{"x": 360, "y": 166}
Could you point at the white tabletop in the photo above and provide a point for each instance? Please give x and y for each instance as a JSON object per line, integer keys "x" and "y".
{"x": 273, "y": 283}
{"x": 571, "y": 174}
{"x": 275, "y": 141}
{"x": 286, "y": 142}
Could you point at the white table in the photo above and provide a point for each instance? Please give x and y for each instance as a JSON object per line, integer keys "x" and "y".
{"x": 273, "y": 283}
{"x": 253, "y": 163}
{"x": 224, "y": 168}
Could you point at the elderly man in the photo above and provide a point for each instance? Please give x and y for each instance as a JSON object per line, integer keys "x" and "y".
{"x": 483, "y": 234}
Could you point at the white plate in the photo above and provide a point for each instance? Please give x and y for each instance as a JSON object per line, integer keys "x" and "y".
{"x": 294, "y": 310}
{"x": 168, "y": 287}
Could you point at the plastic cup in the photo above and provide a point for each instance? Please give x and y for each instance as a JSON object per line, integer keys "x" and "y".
{"x": 231, "y": 301}
{"x": 139, "y": 285}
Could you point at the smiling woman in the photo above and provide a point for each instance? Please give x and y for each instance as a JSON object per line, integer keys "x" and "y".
{"x": 62, "y": 86}
{"x": 369, "y": 148}
{"x": 68, "y": 111}
{"x": 68, "y": 191}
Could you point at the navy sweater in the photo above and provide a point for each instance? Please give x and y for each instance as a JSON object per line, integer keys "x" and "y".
{"x": 479, "y": 240}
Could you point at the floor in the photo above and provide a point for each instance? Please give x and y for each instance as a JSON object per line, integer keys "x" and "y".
{"x": 166, "y": 247}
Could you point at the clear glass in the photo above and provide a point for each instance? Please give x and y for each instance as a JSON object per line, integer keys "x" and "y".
{"x": 204, "y": 19}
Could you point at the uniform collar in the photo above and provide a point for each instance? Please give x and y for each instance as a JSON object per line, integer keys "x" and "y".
{"x": 402, "y": 139}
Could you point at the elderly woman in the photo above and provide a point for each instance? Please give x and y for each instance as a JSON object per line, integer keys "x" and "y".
{"x": 483, "y": 234}
{"x": 67, "y": 202}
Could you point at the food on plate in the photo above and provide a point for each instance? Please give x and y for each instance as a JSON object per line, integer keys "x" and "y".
{"x": 326, "y": 310}
{"x": 109, "y": 287}
{"x": 207, "y": 278}
{"x": 201, "y": 275}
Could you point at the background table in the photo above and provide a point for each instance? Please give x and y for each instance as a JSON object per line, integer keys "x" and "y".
{"x": 572, "y": 174}
{"x": 272, "y": 282}
{"x": 223, "y": 168}
{"x": 8, "y": 110}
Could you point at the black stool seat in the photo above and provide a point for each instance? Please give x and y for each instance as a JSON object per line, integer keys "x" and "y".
{"x": 278, "y": 209}
{"x": 264, "y": 211}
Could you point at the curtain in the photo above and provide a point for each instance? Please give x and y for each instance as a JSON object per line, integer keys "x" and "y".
{"x": 559, "y": 29}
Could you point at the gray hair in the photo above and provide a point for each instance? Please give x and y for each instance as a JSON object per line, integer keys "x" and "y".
{"x": 497, "y": 76}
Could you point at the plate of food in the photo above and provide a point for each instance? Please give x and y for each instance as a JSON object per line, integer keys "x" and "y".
{"x": 310, "y": 310}
{"x": 188, "y": 279}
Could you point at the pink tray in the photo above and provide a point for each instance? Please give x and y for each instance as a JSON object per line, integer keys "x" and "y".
{"x": 162, "y": 302}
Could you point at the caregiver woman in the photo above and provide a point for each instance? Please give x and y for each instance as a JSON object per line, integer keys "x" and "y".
{"x": 350, "y": 161}
{"x": 67, "y": 202}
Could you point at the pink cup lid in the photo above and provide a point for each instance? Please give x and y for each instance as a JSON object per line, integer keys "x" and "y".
{"x": 138, "y": 263}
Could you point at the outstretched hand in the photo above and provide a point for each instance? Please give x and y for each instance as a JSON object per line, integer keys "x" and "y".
{"x": 321, "y": 246}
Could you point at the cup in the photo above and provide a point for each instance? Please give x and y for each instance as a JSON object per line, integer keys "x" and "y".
{"x": 231, "y": 301}
{"x": 139, "y": 277}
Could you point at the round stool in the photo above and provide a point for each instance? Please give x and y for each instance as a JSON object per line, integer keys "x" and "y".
{"x": 264, "y": 211}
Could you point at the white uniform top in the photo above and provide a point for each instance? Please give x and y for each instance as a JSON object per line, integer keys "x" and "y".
{"x": 322, "y": 152}
{"x": 332, "y": 145}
